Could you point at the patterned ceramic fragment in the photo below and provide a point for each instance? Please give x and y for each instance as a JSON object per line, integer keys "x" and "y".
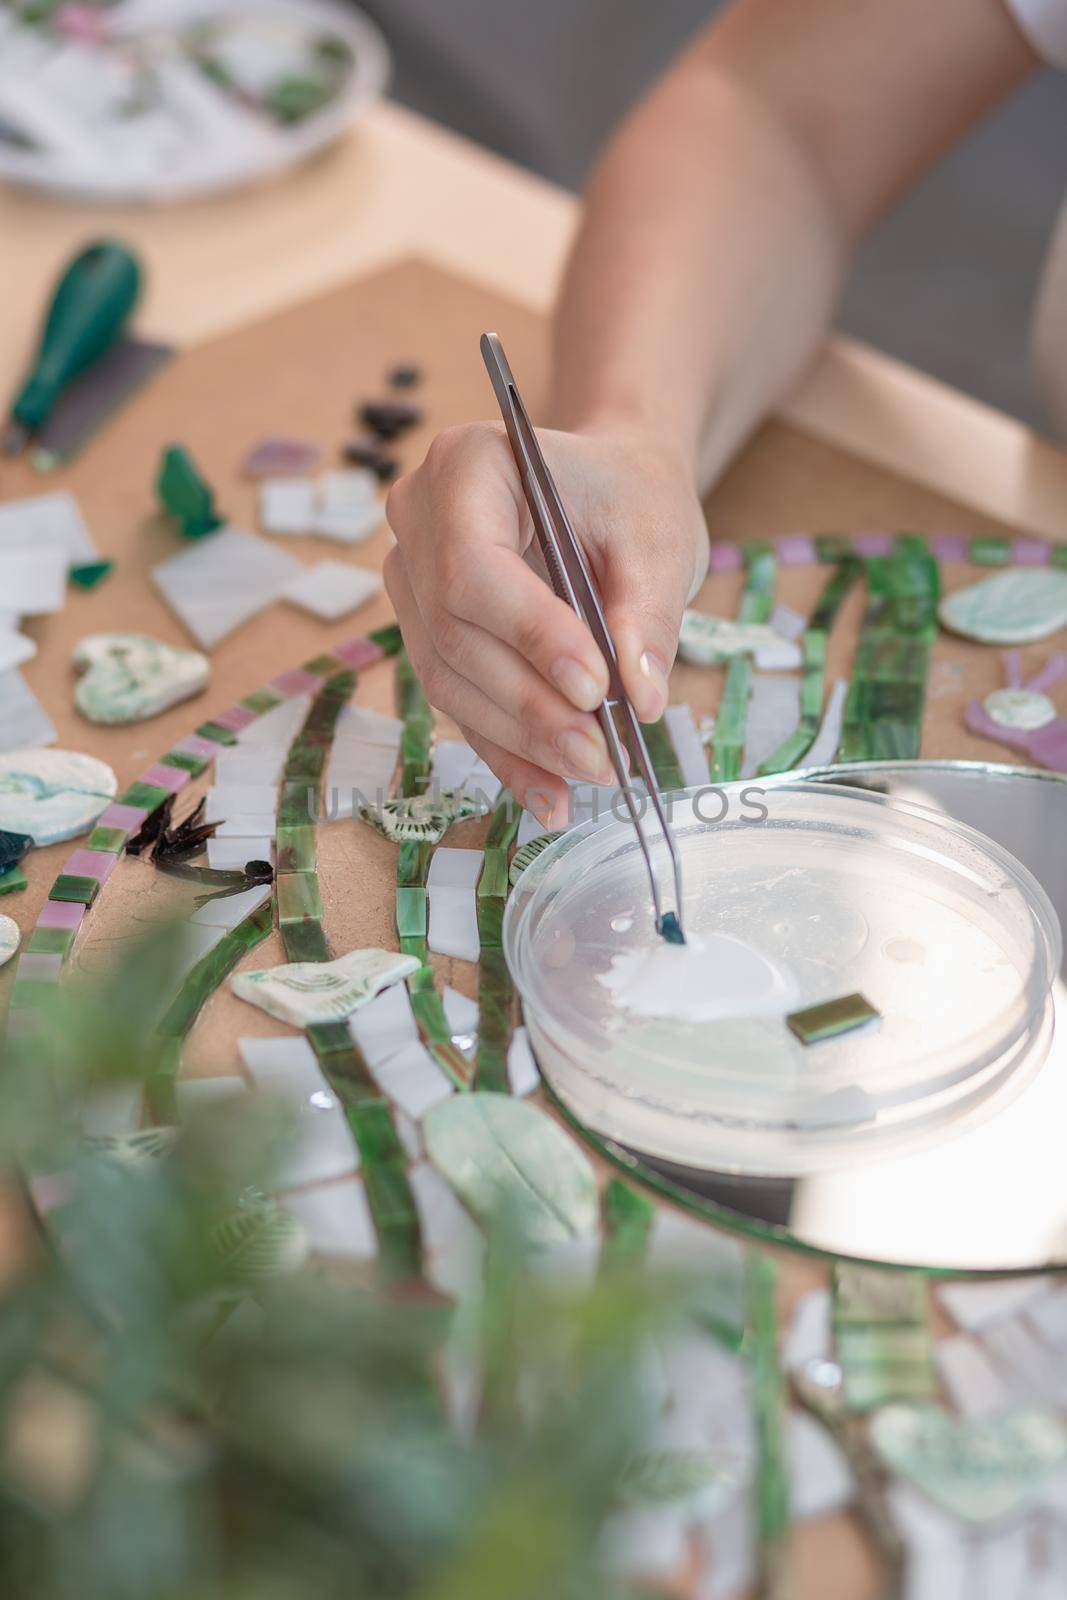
{"x": 305, "y": 992}
{"x": 707, "y": 641}
{"x": 423, "y": 817}
{"x": 1019, "y": 708}
{"x": 9, "y": 939}
{"x": 129, "y": 676}
{"x": 52, "y": 794}
{"x": 1013, "y": 607}
{"x": 980, "y": 1469}
{"x": 507, "y": 1161}
{"x": 260, "y": 1241}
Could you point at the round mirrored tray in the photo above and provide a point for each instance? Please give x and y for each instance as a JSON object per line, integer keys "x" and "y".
{"x": 979, "y": 1193}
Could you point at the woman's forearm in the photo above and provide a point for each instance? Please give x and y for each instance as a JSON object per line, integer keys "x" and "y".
{"x": 721, "y": 217}
{"x": 703, "y": 277}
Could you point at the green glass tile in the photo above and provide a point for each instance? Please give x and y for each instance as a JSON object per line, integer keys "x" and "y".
{"x": 51, "y": 941}
{"x": 261, "y": 700}
{"x": 504, "y": 823}
{"x": 628, "y": 1217}
{"x": 12, "y": 880}
{"x": 772, "y": 1490}
{"x": 305, "y": 940}
{"x": 375, "y": 1134}
{"x": 990, "y": 551}
{"x": 413, "y": 944}
{"x": 389, "y": 1192}
{"x": 878, "y": 1296}
{"x": 69, "y": 886}
{"x": 662, "y": 755}
{"x": 411, "y": 912}
{"x": 756, "y": 550}
{"x": 490, "y": 921}
{"x": 148, "y": 796}
{"x": 295, "y": 847}
{"x": 494, "y": 1021}
{"x": 298, "y": 896}
{"x": 493, "y": 882}
{"x": 831, "y": 1018}
{"x": 322, "y": 666}
{"x": 89, "y": 573}
{"x": 297, "y": 805}
{"x": 412, "y": 863}
{"x": 388, "y": 639}
{"x": 728, "y": 739}
{"x": 112, "y": 840}
{"x": 217, "y": 733}
{"x": 306, "y": 763}
{"x": 210, "y": 972}
{"x": 188, "y": 763}
{"x": 1058, "y": 555}
{"x": 833, "y": 547}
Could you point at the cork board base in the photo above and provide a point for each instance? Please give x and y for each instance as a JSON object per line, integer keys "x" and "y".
{"x": 301, "y": 372}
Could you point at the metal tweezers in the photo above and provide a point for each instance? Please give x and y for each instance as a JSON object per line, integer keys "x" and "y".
{"x": 573, "y": 583}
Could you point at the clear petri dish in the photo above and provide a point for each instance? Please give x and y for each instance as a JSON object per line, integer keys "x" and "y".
{"x": 841, "y": 891}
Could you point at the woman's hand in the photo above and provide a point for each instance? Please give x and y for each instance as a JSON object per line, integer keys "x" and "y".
{"x": 494, "y": 647}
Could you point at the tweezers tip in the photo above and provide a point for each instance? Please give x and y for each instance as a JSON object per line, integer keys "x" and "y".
{"x": 670, "y": 928}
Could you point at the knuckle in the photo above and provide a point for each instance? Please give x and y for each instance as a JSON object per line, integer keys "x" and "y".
{"x": 397, "y": 502}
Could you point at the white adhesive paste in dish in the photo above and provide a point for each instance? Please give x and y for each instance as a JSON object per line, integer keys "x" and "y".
{"x": 704, "y": 980}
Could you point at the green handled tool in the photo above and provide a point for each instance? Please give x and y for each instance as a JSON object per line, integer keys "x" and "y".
{"x": 90, "y": 308}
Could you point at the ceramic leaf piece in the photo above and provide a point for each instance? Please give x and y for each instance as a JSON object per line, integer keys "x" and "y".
{"x": 52, "y": 794}
{"x": 707, "y": 641}
{"x": 9, "y": 939}
{"x": 979, "y": 1469}
{"x": 424, "y": 818}
{"x": 527, "y": 853}
{"x": 1019, "y": 708}
{"x": 136, "y": 1149}
{"x": 127, "y": 677}
{"x": 260, "y": 1241}
{"x": 306, "y": 992}
{"x": 1013, "y": 607}
{"x": 663, "y": 1477}
{"x": 508, "y": 1161}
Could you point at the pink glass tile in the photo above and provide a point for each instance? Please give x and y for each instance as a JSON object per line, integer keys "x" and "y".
{"x": 1030, "y": 553}
{"x": 98, "y": 864}
{"x": 236, "y": 718}
{"x": 724, "y": 556}
{"x": 295, "y": 681}
{"x": 796, "y": 550}
{"x": 172, "y": 778}
{"x": 950, "y": 546}
{"x": 39, "y": 966}
{"x": 119, "y": 816}
{"x": 61, "y": 914}
{"x": 194, "y": 744}
{"x": 358, "y": 652}
{"x": 873, "y": 544}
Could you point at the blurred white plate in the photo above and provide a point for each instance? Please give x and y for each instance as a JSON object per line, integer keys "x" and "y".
{"x": 203, "y": 140}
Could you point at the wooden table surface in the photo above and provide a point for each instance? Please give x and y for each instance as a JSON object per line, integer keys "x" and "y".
{"x": 398, "y": 185}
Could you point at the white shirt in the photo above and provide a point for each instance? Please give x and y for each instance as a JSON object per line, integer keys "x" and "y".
{"x": 1045, "y": 24}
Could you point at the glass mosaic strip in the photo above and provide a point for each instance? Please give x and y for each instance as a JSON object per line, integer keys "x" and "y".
{"x": 757, "y": 601}
{"x": 413, "y": 706}
{"x": 495, "y": 992}
{"x": 772, "y": 1476}
{"x": 793, "y": 749}
{"x": 882, "y": 1338}
{"x": 893, "y": 652}
{"x": 199, "y": 985}
{"x": 383, "y": 1163}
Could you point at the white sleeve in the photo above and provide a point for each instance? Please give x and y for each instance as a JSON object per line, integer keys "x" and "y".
{"x": 1044, "y": 23}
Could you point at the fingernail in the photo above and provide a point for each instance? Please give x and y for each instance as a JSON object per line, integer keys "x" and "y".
{"x": 579, "y": 686}
{"x": 583, "y": 757}
{"x": 653, "y": 698}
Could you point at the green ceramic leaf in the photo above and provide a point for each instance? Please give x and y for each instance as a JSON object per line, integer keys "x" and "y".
{"x": 1013, "y": 607}
{"x": 135, "y": 1149}
{"x": 979, "y": 1470}
{"x": 423, "y": 818}
{"x": 665, "y": 1476}
{"x": 508, "y": 1161}
{"x": 260, "y": 1241}
{"x": 306, "y": 992}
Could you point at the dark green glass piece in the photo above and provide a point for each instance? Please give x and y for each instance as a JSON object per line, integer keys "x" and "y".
{"x": 493, "y": 883}
{"x": 298, "y": 897}
{"x": 411, "y": 912}
{"x": 324, "y": 666}
{"x": 833, "y": 547}
{"x": 831, "y": 1018}
{"x": 990, "y": 551}
{"x": 148, "y": 796}
{"x": 71, "y": 887}
{"x": 261, "y": 701}
{"x": 295, "y": 846}
{"x": 12, "y": 880}
{"x": 185, "y": 495}
{"x": 494, "y": 1021}
{"x": 388, "y": 639}
{"x": 89, "y": 573}
{"x": 297, "y": 805}
{"x": 113, "y": 840}
{"x": 217, "y": 733}
{"x": 194, "y": 765}
{"x": 662, "y": 755}
{"x": 51, "y": 941}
